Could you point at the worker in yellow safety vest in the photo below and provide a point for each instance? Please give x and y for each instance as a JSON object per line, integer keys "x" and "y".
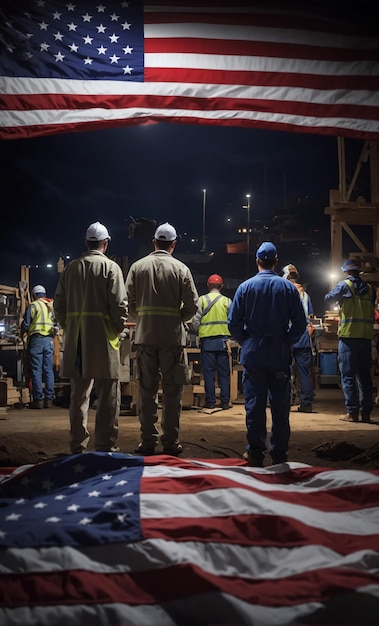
{"x": 356, "y": 300}
{"x": 39, "y": 329}
{"x": 210, "y": 322}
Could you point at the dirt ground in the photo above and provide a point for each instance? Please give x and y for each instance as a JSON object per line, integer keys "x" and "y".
{"x": 318, "y": 439}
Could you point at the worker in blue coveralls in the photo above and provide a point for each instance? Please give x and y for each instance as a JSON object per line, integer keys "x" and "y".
{"x": 356, "y": 301}
{"x": 266, "y": 317}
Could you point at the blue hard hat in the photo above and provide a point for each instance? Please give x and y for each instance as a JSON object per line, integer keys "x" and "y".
{"x": 349, "y": 266}
{"x": 266, "y": 251}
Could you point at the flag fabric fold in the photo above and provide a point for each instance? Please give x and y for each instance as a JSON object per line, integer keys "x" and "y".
{"x": 80, "y": 66}
{"x": 104, "y": 538}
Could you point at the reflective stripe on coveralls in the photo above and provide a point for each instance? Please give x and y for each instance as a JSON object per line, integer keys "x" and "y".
{"x": 114, "y": 339}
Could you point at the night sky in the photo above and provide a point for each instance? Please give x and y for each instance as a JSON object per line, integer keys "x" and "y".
{"x": 53, "y": 187}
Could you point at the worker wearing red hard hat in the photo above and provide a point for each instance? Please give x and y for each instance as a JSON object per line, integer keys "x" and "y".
{"x": 211, "y": 323}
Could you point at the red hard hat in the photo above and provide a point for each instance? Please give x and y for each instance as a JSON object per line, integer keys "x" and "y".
{"x": 215, "y": 279}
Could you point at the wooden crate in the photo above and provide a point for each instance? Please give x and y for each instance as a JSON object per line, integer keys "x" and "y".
{"x": 9, "y": 394}
{"x": 331, "y": 344}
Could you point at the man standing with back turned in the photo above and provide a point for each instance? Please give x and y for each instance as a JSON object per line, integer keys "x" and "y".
{"x": 90, "y": 304}
{"x": 210, "y": 322}
{"x": 356, "y": 300}
{"x": 38, "y": 326}
{"x": 266, "y": 318}
{"x": 162, "y": 296}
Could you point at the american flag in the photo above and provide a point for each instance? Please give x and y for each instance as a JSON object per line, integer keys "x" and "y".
{"x": 114, "y": 539}
{"x": 70, "y": 66}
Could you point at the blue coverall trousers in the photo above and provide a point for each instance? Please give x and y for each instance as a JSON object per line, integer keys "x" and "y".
{"x": 215, "y": 358}
{"x": 354, "y": 359}
{"x": 41, "y": 363}
{"x": 303, "y": 365}
{"x": 258, "y": 383}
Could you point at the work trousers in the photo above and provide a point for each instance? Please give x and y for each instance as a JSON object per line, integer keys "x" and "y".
{"x": 355, "y": 363}
{"x": 154, "y": 362}
{"x": 258, "y": 384}
{"x": 302, "y": 365}
{"x": 212, "y": 362}
{"x": 41, "y": 363}
{"x": 108, "y": 395}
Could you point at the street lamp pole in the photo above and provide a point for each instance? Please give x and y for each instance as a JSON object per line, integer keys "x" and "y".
{"x": 204, "y": 248}
{"x": 248, "y": 206}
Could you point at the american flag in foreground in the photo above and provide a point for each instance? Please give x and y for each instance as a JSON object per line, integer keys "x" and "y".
{"x": 69, "y": 66}
{"x": 115, "y": 539}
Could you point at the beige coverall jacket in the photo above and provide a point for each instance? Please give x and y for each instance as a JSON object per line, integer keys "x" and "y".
{"x": 161, "y": 297}
{"x": 91, "y": 306}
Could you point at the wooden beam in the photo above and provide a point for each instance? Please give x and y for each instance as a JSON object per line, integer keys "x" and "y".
{"x": 353, "y": 236}
{"x": 365, "y": 215}
{"x": 335, "y": 242}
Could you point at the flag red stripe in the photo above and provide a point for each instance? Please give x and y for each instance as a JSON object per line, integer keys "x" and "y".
{"x": 172, "y": 583}
{"x": 256, "y": 48}
{"x": 255, "y": 530}
{"x": 273, "y": 79}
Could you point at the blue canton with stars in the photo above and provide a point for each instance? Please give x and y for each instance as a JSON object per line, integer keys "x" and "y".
{"x": 81, "y": 500}
{"x": 81, "y": 40}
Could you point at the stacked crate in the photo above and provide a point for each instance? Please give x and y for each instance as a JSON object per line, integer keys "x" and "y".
{"x": 9, "y": 394}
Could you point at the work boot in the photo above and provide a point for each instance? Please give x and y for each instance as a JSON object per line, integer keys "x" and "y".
{"x": 144, "y": 450}
{"x": 175, "y": 451}
{"x": 305, "y": 408}
{"x": 224, "y": 406}
{"x": 252, "y": 461}
{"x": 366, "y": 419}
{"x": 36, "y": 404}
{"x": 349, "y": 417}
{"x": 207, "y": 405}
{"x": 47, "y": 404}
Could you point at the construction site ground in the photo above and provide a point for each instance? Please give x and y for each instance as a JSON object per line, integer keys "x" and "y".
{"x": 319, "y": 438}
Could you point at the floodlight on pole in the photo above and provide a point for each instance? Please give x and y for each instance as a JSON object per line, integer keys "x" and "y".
{"x": 204, "y": 248}
{"x": 248, "y": 206}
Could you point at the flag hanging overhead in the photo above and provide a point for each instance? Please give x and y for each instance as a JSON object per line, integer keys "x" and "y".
{"x": 79, "y": 66}
{"x": 114, "y": 539}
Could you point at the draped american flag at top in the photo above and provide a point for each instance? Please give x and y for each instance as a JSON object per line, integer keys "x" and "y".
{"x": 84, "y": 65}
{"x": 114, "y": 539}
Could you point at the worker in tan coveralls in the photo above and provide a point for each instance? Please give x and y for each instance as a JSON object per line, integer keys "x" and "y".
{"x": 161, "y": 296}
{"x": 90, "y": 305}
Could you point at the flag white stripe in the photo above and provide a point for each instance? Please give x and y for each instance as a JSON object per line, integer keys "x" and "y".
{"x": 325, "y": 480}
{"x": 192, "y": 506}
{"x": 35, "y": 86}
{"x": 61, "y": 117}
{"x": 219, "y": 559}
{"x": 233, "y": 63}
